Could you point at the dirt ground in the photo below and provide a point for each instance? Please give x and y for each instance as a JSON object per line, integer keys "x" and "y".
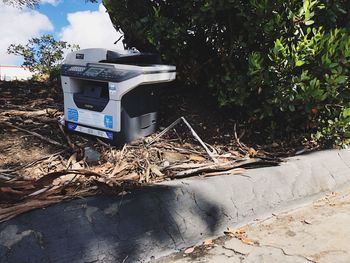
{"x": 37, "y": 106}
{"x": 317, "y": 232}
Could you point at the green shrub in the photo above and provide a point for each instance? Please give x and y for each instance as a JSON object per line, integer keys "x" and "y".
{"x": 42, "y": 55}
{"x": 285, "y": 63}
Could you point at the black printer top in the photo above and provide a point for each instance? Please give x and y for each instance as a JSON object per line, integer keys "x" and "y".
{"x": 137, "y": 58}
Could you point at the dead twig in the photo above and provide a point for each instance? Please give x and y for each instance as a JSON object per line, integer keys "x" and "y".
{"x": 200, "y": 140}
{"x": 164, "y": 132}
{"x": 103, "y": 143}
{"x": 6, "y": 176}
{"x": 218, "y": 167}
{"x": 48, "y": 178}
{"x": 234, "y": 171}
{"x": 36, "y": 135}
{"x": 242, "y": 147}
{"x": 39, "y": 160}
{"x": 18, "y": 168}
{"x": 71, "y": 145}
{"x": 195, "y": 135}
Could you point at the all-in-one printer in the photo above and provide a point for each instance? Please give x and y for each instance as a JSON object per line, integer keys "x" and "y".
{"x": 113, "y": 95}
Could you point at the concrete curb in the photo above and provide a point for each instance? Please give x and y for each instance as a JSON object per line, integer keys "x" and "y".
{"x": 161, "y": 219}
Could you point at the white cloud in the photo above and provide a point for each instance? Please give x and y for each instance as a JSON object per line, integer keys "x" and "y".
{"x": 91, "y": 29}
{"x": 50, "y": 2}
{"x": 17, "y": 27}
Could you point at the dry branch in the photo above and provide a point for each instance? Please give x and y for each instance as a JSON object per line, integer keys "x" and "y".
{"x": 218, "y": 167}
{"x": 195, "y": 135}
{"x": 36, "y": 135}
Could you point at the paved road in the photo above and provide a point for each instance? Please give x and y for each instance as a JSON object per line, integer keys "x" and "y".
{"x": 318, "y": 232}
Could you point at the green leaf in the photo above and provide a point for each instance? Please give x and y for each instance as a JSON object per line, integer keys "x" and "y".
{"x": 346, "y": 113}
{"x": 299, "y": 63}
{"x": 309, "y": 22}
{"x": 318, "y": 135}
{"x": 341, "y": 79}
{"x": 347, "y": 134}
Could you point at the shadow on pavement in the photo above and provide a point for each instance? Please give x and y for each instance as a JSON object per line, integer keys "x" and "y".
{"x": 131, "y": 228}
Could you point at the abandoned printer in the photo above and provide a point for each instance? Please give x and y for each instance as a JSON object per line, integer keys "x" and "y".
{"x": 113, "y": 95}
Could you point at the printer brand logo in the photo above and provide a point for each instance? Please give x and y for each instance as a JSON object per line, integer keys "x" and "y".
{"x": 88, "y": 106}
{"x": 79, "y": 56}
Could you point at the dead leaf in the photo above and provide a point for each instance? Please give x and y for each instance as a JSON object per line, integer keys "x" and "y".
{"x": 235, "y": 153}
{"x": 174, "y": 157}
{"x": 189, "y": 250}
{"x": 208, "y": 242}
{"x": 11, "y": 191}
{"x": 156, "y": 171}
{"x": 147, "y": 173}
{"x": 230, "y": 232}
{"x": 197, "y": 158}
{"x": 252, "y": 152}
{"x": 118, "y": 168}
{"x": 237, "y": 233}
{"x": 72, "y": 159}
{"x": 65, "y": 178}
{"x": 248, "y": 241}
{"x": 132, "y": 177}
{"x": 107, "y": 165}
{"x": 78, "y": 165}
{"x": 229, "y": 172}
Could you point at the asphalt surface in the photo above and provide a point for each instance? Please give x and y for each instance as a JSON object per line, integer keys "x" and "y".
{"x": 159, "y": 220}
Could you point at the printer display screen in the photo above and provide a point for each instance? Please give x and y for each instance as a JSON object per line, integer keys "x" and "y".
{"x": 93, "y": 71}
{"x": 98, "y": 73}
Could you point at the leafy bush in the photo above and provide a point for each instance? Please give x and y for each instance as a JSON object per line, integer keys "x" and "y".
{"x": 285, "y": 63}
{"x": 42, "y": 55}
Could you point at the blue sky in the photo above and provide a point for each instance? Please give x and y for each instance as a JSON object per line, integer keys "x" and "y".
{"x": 58, "y": 13}
{"x": 74, "y": 21}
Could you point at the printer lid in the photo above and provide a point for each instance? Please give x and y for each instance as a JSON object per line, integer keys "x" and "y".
{"x": 132, "y": 58}
{"x": 101, "y": 55}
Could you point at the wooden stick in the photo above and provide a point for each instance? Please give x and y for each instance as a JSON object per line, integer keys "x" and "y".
{"x": 50, "y": 177}
{"x": 217, "y": 167}
{"x": 36, "y": 135}
{"x": 234, "y": 171}
{"x": 38, "y": 160}
{"x": 67, "y": 137}
{"x": 195, "y": 135}
{"x": 164, "y": 132}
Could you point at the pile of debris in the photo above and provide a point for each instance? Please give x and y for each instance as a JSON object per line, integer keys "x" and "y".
{"x": 76, "y": 171}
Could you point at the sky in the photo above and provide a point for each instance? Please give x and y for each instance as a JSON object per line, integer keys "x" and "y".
{"x": 74, "y": 21}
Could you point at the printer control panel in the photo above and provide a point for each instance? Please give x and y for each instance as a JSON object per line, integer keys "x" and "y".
{"x": 98, "y": 73}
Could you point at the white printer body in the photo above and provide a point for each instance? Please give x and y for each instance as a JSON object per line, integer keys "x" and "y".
{"x": 112, "y": 95}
